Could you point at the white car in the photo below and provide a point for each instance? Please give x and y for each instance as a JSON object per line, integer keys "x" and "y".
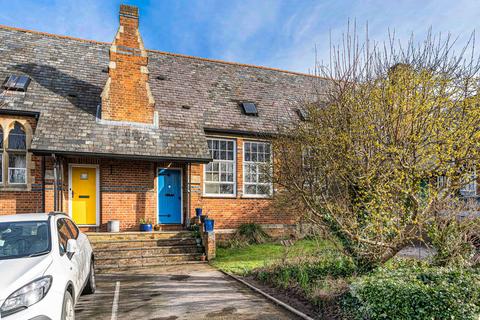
{"x": 45, "y": 264}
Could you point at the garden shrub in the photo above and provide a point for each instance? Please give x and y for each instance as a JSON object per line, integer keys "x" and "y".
{"x": 249, "y": 233}
{"x": 305, "y": 274}
{"x": 415, "y": 293}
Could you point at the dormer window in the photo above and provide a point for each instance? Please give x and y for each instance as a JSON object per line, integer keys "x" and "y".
{"x": 16, "y": 83}
{"x": 249, "y": 108}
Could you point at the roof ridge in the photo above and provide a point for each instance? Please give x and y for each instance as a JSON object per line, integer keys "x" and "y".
{"x": 164, "y": 52}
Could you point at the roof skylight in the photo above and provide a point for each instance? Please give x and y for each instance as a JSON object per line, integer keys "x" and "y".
{"x": 249, "y": 108}
{"x": 16, "y": 83}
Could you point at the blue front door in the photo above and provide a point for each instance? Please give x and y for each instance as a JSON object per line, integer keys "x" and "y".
{"x": 169, "y": 196}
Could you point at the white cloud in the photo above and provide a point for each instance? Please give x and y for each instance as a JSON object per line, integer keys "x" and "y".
{"x": 275, "y": 33}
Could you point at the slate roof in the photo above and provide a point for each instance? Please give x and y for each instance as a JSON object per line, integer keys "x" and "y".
{"x": 68, "y": 76}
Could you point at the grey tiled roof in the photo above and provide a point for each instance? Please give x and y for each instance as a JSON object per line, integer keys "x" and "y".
{"x": 67, "y": 80}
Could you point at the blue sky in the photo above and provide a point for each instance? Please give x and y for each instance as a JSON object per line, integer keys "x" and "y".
{"x": 275, "y": 33}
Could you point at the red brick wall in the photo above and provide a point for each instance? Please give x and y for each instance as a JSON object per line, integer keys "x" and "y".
{"x": 128, "y": 193}
{"x": 25, "y": 198}
{"x": 229, "y": 213}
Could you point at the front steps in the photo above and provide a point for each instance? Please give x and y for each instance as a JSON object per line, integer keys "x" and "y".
{"x": 129, "y": 250}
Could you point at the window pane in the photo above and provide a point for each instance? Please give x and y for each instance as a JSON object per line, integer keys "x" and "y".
{"x": 263, "y": 189}
{"x": 17, "y": 161}
{"x": 1, "y": 138}
{"x": 226, "y": 188}
{"x": 17, "y": 138}
{"x": 1, "y": 166}
{"x": 212, "y": 188}
{"x": 17, "y": 175}
{"x": 250, "y": 189}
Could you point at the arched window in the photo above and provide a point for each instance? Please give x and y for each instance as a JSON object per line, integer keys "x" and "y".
{"x": 17, "y": 155}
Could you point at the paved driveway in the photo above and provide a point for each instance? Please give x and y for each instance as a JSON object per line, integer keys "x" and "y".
{"x": 175, "y": 292}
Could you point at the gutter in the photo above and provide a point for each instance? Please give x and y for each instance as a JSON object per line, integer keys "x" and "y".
{"x": 240, "y": 132}
{"x": 9, "y": 112}
{"x": 119, "y": 156}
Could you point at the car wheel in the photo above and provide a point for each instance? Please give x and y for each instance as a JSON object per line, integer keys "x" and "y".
{"x": 68, "y": 311}
{"x": 91, "y": 285}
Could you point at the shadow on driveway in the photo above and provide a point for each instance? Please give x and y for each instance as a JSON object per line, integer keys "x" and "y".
{"x": 175, "y": 292}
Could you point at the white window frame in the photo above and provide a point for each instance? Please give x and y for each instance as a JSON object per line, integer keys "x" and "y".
{"x": 10, "y": 152}
{"x": 270, "y": 184}
{"x": 234, "y": 183}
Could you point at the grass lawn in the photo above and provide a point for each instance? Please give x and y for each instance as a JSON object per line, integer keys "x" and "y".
{"x": 243, "y": 260}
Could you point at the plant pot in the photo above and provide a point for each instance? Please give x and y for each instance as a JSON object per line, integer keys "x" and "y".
{"x": 203, "y": 257}
{"x": 198, "y": 212}
{"x": 199, "y": 241}
{"x": 145, "y": 227}
{"x": 209, "y": 225}
{"x": 202, "y": 218}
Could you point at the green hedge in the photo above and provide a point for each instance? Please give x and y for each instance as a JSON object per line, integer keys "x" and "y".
{"x": 415, "y": 293}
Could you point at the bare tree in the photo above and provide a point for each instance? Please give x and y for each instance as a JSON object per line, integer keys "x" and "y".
{"x": 393, "y": 138}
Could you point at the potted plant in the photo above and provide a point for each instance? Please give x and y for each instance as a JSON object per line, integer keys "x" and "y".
{"x": 196, "y": 233}
{"x": 145, "y": 225}
{"x": 203, "y": 217}
{"x": 203, "y": 257}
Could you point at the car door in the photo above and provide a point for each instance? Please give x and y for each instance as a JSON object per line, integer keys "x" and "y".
{"x": 82, "y": 253}
{"x": 74, "y": 262}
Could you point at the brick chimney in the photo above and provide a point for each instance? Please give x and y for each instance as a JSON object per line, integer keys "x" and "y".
{"x": 126, "y": 95}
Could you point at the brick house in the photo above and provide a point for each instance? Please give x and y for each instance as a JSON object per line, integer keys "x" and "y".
{"x": 113, "y": 131}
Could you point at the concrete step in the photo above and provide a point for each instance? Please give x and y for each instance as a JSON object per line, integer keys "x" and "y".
{"x": 108, "y": 236}
{"x": 144, "y": 261}
{"x": 139, "y": 243}
{"x": 146, "y": 251}
{"x": 106, "y": 269}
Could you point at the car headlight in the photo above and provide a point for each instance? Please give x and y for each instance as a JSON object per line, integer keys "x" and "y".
{"x": 26, "y": 296}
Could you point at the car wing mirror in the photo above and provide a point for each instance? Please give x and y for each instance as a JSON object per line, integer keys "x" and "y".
{"x": 71, "y": 248}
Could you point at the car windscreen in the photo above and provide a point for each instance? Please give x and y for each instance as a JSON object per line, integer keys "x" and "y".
{"x": 24, "y": 239}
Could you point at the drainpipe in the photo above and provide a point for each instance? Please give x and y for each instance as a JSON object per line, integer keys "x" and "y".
{"x": 60, "y": 165}
{"x": 189, "y": 193}
{"x": 43, "y": 183}
{"x": 55, "y": 183}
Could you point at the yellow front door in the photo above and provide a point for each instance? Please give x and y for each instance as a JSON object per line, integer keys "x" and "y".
{"x": 84, "y": 195}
